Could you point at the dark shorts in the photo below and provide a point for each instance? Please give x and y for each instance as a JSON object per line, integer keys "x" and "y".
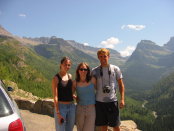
{"x": 107, "y": 114}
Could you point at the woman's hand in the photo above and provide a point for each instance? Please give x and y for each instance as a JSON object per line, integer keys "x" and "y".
{"x": 60, "y": 118}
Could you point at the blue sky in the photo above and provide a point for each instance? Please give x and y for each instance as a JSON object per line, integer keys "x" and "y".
{"x": 117, "y": 24}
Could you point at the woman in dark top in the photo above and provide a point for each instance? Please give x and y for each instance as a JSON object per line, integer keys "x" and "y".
{"x": 63, "y": 97}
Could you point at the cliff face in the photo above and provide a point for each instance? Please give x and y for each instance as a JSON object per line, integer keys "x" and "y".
{"x": 27, "y": 101}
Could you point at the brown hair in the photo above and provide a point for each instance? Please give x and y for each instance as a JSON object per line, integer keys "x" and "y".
{"x": 103, "y": 51}
{"x": 88, "y": 75}
{"x": 64, "y": 59}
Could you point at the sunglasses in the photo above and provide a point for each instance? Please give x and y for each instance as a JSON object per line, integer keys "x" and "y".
{"x": 83, "y": 69}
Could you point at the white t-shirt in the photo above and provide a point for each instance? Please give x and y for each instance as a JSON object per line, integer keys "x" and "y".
{"x": 104, "y": 78}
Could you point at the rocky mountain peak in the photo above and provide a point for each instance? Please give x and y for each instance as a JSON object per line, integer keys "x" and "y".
{"x": 4, "y": 32}
{"x": 145, "y": 44}
{"x": 148, "y": 46}
{"x": 170, "y": 44}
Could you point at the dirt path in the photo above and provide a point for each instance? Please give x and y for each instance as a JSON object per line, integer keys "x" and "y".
{"x": 38, "y": 122}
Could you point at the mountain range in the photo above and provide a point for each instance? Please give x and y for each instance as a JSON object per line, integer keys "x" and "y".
{"x": 115, "y": 57}
{"x": 147, "y": 64}
{"x": 32, "y": 62}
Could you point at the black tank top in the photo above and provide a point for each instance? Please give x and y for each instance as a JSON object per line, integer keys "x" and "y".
{"x": 64, "y": 91}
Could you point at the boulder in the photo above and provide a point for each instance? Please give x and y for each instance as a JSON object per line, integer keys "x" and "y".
{"x": 128, "y": 125}
{"x": 37, "y": 107}
{"x": 25, "y": 104}
{"x": 45, "y": 107}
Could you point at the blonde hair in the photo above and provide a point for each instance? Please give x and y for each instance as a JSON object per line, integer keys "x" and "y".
{"x": 103, "y": 51}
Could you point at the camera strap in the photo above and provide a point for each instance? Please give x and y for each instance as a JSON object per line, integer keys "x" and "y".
{"x": 109, "y": 73}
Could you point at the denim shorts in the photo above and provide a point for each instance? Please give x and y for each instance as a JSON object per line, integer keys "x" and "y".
{"x": 107, "y": 114}
{"x": 67, "y": 111}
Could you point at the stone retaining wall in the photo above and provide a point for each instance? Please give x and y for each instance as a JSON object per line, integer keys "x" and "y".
{"x": 45, "y": 107}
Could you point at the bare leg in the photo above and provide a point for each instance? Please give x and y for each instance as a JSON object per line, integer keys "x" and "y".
{"x": 116, "y": 128}
{"x": 104, "y": 128}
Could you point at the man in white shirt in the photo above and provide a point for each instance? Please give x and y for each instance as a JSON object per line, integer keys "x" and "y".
{"x": 107, "y": 106}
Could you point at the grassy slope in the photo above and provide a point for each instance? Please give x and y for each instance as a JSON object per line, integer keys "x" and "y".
{"x": 23, "y": 66}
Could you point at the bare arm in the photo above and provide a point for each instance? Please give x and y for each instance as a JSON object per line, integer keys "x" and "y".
{"x": 121, "y": 90}
{"x": 55, "y": 97}
{"x": 94, "y": 82}
{"x": 55, "y": 93}
{"x": 73, "y": 89}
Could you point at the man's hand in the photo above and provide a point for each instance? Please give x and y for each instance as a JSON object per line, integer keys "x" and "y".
{"x": 122, "y": 104}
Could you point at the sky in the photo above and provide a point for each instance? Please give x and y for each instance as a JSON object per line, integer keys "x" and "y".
{"x": 116, "y": 24}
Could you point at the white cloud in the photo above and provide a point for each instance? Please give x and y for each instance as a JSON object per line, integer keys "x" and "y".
{"x": 133, "y": 27}
{"x": 128, "y": 51}
{"x": 85, "y": 44}
{"x": 110, "y": 42}
{"x": 23, "y": 15}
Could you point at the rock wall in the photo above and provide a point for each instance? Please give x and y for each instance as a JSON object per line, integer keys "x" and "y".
{"x": 45, "y": 106}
